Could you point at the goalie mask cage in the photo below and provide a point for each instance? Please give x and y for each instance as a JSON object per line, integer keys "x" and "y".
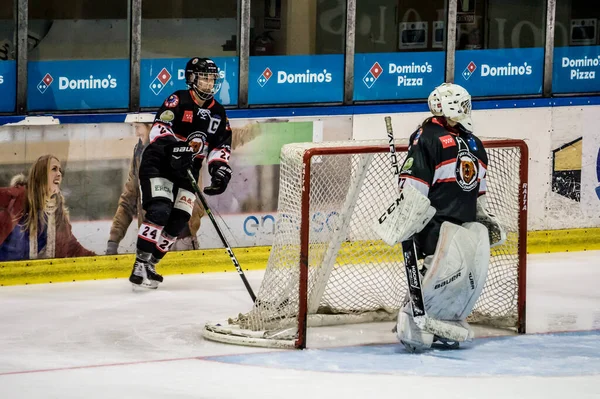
{"x": 328, "y": 267}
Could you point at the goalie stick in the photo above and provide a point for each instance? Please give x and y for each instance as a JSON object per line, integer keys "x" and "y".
{"x": 443, "y": 329}
{"x": 408, "y": 246}
{"x": 234, "y": 260}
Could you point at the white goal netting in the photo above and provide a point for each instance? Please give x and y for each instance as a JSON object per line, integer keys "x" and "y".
{"x": 352, "y": 276}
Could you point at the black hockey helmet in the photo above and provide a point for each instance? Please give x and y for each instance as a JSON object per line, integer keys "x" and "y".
{"x": 203, "y": 76}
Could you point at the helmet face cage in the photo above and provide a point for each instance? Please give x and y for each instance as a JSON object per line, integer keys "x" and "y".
{"x": 205, "y": 84}
{"x": 203, "y": 76}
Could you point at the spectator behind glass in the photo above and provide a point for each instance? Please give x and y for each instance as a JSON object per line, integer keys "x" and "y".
{"x": 34, "y": 221}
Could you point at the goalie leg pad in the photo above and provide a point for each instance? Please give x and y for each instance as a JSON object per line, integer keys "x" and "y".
{"x": 457, "y": 273}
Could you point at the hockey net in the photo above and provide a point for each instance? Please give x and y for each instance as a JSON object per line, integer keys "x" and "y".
{"x": 328, "y": 267}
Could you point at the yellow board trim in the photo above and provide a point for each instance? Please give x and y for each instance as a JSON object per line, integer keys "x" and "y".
{"x": 216, "y": 260}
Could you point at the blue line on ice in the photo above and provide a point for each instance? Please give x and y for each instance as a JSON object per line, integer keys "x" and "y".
{"x": 544, "y": 355}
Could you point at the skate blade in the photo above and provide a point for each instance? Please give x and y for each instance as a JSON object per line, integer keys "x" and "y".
{"x": 145, "y": 285}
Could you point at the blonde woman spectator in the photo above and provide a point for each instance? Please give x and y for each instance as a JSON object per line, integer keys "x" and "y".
{"x": 34, "y": 221}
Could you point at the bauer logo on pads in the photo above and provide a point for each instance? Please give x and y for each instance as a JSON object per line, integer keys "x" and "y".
{"x": 447, "y": 141}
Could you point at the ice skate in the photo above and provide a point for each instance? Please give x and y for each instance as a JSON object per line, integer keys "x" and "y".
{"x": 140, "y": 277}
{"x": 153, "y": 277}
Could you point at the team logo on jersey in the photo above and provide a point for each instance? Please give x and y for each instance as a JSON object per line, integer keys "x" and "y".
{"x": 45, "y": 83}
{"x": 372, "y": 75}
{"x": 466, "y": 74}
{"x": 197, "y": 141}
{"x": 172, "y": 101}
{"x": 264, "y": 77}
{"x": 467, "y": 170}
{"x": 160, "y": 81}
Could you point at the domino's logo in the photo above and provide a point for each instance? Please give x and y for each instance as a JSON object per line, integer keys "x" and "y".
{"x": 45, "y": 83}
{"x": 466, "y": 74}
{"x": 264, "y": 77}
{"x": 372, "y": 75}
{"x": 160, "y": 81}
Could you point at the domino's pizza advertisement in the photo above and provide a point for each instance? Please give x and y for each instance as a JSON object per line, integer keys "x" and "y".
{"x": 500, "y": 72}
{"x": 77, "y": 85}
{"x": 390, "y": 76}
{"x": 162, "y": 76}
{"x": 576, "y": 69}
{"x": 295, "y": 79}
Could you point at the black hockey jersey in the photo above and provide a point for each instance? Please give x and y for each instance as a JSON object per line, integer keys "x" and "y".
{"x": 448, "y": 166}
{"x": 205, "y": 128}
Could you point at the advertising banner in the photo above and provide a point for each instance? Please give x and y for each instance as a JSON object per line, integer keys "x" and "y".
{"x": 500, "y": 72}
{"x": 8, "y": 85}
{"x": 390, "y": 76}
{"x": 93, "y": 169}
{"x": 296, "y": 79}
{"x": 77, "y": 85}
{"x": 162, "y": 76}
{"x": 576, "y": 69}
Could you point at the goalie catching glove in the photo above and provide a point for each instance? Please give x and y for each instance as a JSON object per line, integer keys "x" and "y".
{"x": 220, "y": 174}
{"x": 495, "y": 231}
{"x": 405, "y": 217}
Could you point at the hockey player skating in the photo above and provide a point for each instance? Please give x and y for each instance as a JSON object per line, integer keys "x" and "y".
{"x": 443, "y": 208}
{"x": 189, "y": 128}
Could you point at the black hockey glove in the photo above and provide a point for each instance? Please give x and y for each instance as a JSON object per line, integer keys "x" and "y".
{"x": 221, "y": 174}
{"x": 181, "y": 156}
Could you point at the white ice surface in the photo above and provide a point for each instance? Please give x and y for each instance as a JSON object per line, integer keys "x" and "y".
{"x": 98, "y": 339}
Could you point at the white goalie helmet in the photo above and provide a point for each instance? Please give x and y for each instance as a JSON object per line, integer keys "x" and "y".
{"x": 452, "y": 102}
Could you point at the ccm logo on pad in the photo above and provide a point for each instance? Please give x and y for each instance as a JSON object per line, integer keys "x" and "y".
{"x": 447, "y": 141}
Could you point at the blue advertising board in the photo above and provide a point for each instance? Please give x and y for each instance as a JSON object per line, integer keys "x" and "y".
{"x": 77, "y": 85}
{"x": 8, "y": 86}
{"x": 162, "y": 76}
{"x": 290, "y": 79}
{"x": 389, "y": 76}
{"x": 576, "y": 69}
{"x": 500, "y": 72}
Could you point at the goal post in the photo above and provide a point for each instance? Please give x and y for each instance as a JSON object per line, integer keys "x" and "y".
{"x": 328, "y": 267}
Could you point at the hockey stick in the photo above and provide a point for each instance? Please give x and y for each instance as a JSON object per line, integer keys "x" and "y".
{"x": 202, "y": 200}
{"x": 413, "y": 277}
{"x": 408, "y": 246}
